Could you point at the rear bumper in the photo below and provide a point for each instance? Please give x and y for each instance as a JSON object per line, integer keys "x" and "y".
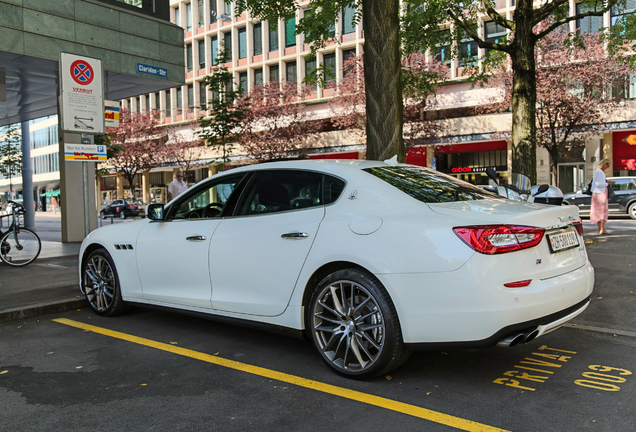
{"x": 459, "y": 309}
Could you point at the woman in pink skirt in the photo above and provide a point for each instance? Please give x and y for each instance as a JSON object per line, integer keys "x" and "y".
{"x": 599, "y": 212}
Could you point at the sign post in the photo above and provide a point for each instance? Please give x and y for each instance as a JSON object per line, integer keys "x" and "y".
{"x": 82, "y": 112}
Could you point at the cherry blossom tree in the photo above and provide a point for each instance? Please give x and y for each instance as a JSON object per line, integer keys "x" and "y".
{"x": 277, "y": 123}
{"x": 139, "y": 141}
{"x": 421, "y": 78}
{"x": 184, "y": 146}
{"x": 577, "y": 86}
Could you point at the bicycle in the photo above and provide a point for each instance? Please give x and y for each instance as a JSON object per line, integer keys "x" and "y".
{"x": 19, "y": 246}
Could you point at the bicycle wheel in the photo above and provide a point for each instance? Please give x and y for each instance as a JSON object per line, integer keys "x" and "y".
{"x": 20, "y": 248}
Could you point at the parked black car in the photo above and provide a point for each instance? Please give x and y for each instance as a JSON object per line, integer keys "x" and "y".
{"x": 119, "y": 208}
{"x": 622, "y": 201}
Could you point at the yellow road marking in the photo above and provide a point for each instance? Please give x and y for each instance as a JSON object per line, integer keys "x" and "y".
{"x": 378, "y": 401}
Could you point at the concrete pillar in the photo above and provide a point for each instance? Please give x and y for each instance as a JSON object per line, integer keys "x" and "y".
{"x": 608, "y": 152}
{"x": 72, "y": 193}
{"x": 120, "y": 186}
{"x": 430, "y": 154}
{"x": 27, "y": 176}
{"x": 145, "y": 186}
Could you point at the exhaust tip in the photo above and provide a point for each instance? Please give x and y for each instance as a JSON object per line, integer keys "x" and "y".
{"x": 529, "y": 336}
{"x": 511, "y": 340}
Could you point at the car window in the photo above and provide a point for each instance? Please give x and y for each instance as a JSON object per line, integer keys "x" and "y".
{"x": 623, "y": 185}
{"x": 332, "y": 189}
{"x": 280, "y": 190}
{"x": 207, "y": 200}
{"x": 429, "y": 186}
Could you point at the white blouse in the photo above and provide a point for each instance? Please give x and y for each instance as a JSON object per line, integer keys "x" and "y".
{"x": 599, "y": 184}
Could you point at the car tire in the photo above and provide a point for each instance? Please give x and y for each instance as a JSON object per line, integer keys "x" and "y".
{"x": 102, "y": 214}
{"x": 354, "y": 325}
{"x": 122, "y": 215}
{"x": 631, "y": 210}
{"x": 100, "y": 283}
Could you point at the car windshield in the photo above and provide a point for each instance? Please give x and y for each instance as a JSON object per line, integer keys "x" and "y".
{"x": 429, "y": 186}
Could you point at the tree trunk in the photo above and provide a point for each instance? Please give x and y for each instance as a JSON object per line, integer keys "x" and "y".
{"x": 524, "y": 96}
{"x": 383, "y": 80}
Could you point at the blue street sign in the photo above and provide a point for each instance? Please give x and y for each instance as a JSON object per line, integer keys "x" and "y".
{"x": 152, "y": 70}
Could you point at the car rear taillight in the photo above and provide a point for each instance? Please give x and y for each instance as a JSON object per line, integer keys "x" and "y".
{"x": 498, "y": 239}
{"x": 131, "y": 207}
{"x": 579, "y": 227}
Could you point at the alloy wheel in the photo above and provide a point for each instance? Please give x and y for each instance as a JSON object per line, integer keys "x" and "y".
{"x": 348, "y": 326}
{"x": 99, "y": 283}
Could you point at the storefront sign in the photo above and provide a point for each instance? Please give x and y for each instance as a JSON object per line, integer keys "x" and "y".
{"x": 111, "y": 114}
{"x": 631, "y": 139}
{"x": 464, "y": 170}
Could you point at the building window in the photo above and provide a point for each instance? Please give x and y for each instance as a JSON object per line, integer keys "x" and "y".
{"x": 468, "y": 52}
{"x": 215, "y": 50}
{"x": 310, "y": 68}
{"x": 213, "y": 11}
{"x": 619, "y": 12}
{"x": 202, "y": 54}
{"x": 290, "y": 32}
{"x": 179, "y": 101}
{"x": 494, "y": 33}
{"x": 227, "y": 45}
{"x": 273, "y": 74}
{"x": 243, "y": 82}
{"x": 203, "y": 96}
{"x": 189, "y": 57}
{"x": 329, "y": 65}
{"x": 138, "y": 104}
{"x": 242, "y": 42}
{"x": 177, "y": 16}
{"x": 200, "y": 12}
{"x": 258, "y": 77}
{"x": 147, "y": 107}
{"x": 348, "y": 16}
{"x": 346, "y": 56}
{"x": 157, "y": 103}
{"x": 227, "y": 8}
{"x": 190, "y": 96}
{"x": 590, "y": 24}
{"x": 290, "y": 72}
{"x": 189, "y": 16}
{"x": 442, "y": 51}
{"x": 258, "y": 39}
{"x": 168, "y": 103}
{"x": 273, "y": 36}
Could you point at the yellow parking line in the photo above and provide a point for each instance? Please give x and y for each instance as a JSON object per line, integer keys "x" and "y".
{"x": 381, "y": 402}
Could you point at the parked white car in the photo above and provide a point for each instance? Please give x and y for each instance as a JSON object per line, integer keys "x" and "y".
{"x": 369, "y": 260}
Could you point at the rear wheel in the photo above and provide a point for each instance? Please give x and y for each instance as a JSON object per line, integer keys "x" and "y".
{"x": 122, "y": 215}
{"x": 354, "y": 325}
{"x": 631, "y": 211}
{"x": 100, "y": 283}
{"x": 20, "y": 248}
{"x": 102, "y": 214}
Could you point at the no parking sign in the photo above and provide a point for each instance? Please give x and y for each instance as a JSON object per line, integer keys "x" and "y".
{"x": 82, "y": 90}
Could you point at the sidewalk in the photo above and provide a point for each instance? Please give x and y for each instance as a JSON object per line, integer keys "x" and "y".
{"x": 51, "y": 283}
{"x": 48, "y": 285}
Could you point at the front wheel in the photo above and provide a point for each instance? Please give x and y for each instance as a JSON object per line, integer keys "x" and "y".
{"x": 354, "y": 325}
{"x": 100, "y": 283}
{"x": 631, "y": 211}
{"x": 20, "y": 248}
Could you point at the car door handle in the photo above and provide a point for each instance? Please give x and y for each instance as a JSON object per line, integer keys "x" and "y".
{"x": 295, "y": 236}
{"x": 195, "y": 238}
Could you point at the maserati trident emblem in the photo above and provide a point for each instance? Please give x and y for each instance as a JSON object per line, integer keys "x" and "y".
{"x": 566, "y": 219}
{"x": 538, "y": 261}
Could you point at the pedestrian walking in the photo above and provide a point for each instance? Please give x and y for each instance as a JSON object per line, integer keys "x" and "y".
{"x": 177, "y": 187}
{"x": 599, "y": 212}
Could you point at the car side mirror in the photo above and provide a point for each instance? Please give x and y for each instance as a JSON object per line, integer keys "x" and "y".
{"x": 154, "y": 211}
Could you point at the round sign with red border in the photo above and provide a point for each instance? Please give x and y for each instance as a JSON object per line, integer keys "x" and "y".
{"x": 82, "y": 72}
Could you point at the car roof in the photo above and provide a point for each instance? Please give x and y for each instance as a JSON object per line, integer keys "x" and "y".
{"x": 333, "y": 166}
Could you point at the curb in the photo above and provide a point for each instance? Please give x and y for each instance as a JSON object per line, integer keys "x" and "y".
{"x": 35, "y": 310}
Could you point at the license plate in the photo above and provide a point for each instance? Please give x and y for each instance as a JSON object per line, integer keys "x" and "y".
{"x": 563, "y": 241}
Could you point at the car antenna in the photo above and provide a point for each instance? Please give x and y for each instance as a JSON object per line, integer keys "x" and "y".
{"x": 392, "y": 161}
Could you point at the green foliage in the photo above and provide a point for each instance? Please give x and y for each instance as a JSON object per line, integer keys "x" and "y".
{"x": 10, "y": 151}
{"x": 227, "y": 110}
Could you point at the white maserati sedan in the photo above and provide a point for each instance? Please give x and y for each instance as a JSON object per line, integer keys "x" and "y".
{"x": 368, "y": 260}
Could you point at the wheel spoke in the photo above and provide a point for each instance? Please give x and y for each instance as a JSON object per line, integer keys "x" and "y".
{"x": 336, "y": 300}
{"x": 356, "y": 351}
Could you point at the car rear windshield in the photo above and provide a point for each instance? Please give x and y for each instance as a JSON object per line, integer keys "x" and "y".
{"x": 429, "y": 186}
